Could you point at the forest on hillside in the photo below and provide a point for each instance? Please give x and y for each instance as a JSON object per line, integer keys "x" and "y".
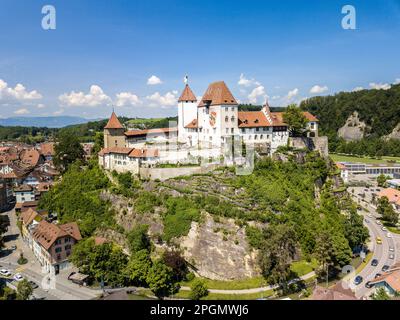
{"x": 379, "y": 109}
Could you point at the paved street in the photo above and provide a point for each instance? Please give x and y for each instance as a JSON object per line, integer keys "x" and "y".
{"x": 380, "y": 252}
{"x": 64, "y": 289}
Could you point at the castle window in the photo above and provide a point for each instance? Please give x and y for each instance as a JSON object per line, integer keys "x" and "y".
{"x": 232, "y": 130}
{"x": 261, "y": 137}
{"x": 233, "y": 119}
{"x": 226, "y": 119}
{"x": 255, "y": 137}
{"x": 226, "y": 109}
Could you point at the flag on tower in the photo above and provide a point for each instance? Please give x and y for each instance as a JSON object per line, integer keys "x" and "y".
{"x": 186, "y": 80}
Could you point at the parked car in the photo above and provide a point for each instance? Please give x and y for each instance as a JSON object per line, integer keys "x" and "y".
{"x": 378, "y": 275}
{"x": 369, "y": 285}
{"x": 34, "y": 285}
{"x": 378, "y": 240}
{"x": 13, "y": 248}
{"x": 385, "y": 268}
{"x": 18, "y": 277}
{"x": 384, "y": 229}
{"x": 5, "y": 273}
{"x": 358, "y": 280}
{"x": 389, "y": 235}
{"x": 378, "y": 223}
{"x": 391, "y": 249}
{"x": 374, "y": 262}
{"x": 366, "y": 221}
{"x": 391, "y": 256}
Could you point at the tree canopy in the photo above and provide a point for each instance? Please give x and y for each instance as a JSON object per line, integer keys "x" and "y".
{"x": 295, "y": 119}
{"x": 67, "y": 150}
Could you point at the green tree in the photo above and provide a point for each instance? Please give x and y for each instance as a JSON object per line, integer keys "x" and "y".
{"x": 381, "y": 179}
{"x": 177, "y": 263}
{"x": 3, "y": 230}
{"x": 24, "y": 290}
{"x": 98, "y": 143}
{"x": 198, "y": 289}
{"x": 138, "y": 239}
{"x": 160, "y": 280}
{"x": 277, "y": 253}
{"x": 295, "y": 119}
{"x": 138, "y": 267}
{"x": 355, "y": 231}
{"x": 385, "y": 209}
{"x": 7, "y": 293}
{"x": 67, "y": 150}
{"x": 380, "y": 294}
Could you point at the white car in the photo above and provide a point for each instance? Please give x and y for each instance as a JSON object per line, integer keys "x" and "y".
{"x": 18, "y": 277}
{"x": 384, "y": 229}
{"x": 391, "y": 249}
{"x": 5, "y": 273}
{"x": 378, "y": 222}
{"x": 389, "y": 235}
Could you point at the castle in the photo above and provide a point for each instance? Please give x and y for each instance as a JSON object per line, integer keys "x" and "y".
{"x": 203, "y": 130}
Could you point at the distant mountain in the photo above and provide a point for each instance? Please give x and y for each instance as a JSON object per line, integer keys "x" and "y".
{"x": 49, "y": 122}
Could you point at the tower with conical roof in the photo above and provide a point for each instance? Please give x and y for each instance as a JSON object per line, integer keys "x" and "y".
{"x": 114, "y": 133}
{"x": 187, "y": 114}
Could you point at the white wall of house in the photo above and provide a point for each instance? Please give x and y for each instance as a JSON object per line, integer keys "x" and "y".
{"x": 23, "y": 196}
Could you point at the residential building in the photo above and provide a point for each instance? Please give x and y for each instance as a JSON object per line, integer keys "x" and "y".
{"x": 390, "y": 280}
{"x": 24, "y": 193}
{"x": 393, "y": 195}
{"x": 337, "y": 292}
{"x": 52, "y": 244}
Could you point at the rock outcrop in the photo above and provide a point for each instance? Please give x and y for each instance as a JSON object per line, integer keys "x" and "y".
{"x": 354, "y": 129}
{"x": 219, "y": 250}
{"x": 394, "y": 135}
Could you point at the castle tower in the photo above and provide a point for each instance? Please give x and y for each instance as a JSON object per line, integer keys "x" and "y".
{"x": 114, "y": 133}
{"x": 187, "y": 113}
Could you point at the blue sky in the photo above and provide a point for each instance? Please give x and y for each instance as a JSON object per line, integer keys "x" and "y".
{"x": 103, "y": 53}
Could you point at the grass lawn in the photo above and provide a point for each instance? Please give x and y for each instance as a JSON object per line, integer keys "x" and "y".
{"x": 301, "y": 268}
{"x": 367, "y": 160}
{"x": 217, "y": 296}
{"x": 390, "y": 227}
{"x": 366, "y": 262}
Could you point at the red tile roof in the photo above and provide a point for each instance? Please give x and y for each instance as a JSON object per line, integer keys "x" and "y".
{"x": 192, "y": 125}
{"x": 393, "y": 195}
{"x": 133, "y": 133}
{"x": 187, "y": 95}
{"x": 28, "y": 216}
{"x": 113, "y": 123}
{"x": 47, "y": 149}
{"x": 47, "y": 233}
{"x": 30, "y": 157}
{"x": 217, "y": 94}
{"x": 144, "y": 153}
{"x": 252, "y": 119}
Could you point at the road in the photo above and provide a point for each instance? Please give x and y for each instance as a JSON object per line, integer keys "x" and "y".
{"x": 63, "y": 289}
{"x": 380, "y": 252}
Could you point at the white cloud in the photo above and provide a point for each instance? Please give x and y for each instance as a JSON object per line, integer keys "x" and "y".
{"x": 380, "y": 86}
{"x": 94, "y": 98}
{"x": 154, "y": 80}
{"x": 318, "y": 89}
{"x": 40, "y": 106}
{"x": 256, "y": 93}
{"x": 275, "y": 97}
{"x": 19, "y": 92}
{"x": 243, "y": 81}
{"x": 358, "y": 89}
{"x": 291, "y": 94}
{"x": 58, "y": 112}
{"x": 127, "y": 99}
{"x": 167, "y": 100}
{"x": 22, "y": 111}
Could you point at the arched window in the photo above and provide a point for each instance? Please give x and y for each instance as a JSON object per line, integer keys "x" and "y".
{"x": 226, "y": 119}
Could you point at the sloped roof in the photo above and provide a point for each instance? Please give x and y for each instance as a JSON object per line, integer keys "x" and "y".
{"x": 144, "y": 153}
{"x": 28, "y": 216}
{"x": 393, "y": 195}
{"x": 133, "y": 133}
{"x": 47, "y": 233}
{"x": 251, "y": 119}
{"x": 30, "y": 157}
{"x": 23, "y": 188}
{"x": 187, "y": 95}
{"x": 47, "y": 149}
{"x": 192, "y": 124}
{"x": 217, "y": 94}
{"x": 392, "y": 278}
{"x": 335, "y": 293}
{"x": 113, "y": 122}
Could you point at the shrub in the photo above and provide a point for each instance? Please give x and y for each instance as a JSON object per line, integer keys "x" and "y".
{"x": 198, "y": 289}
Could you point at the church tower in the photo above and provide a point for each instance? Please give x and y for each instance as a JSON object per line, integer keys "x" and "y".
{"x": 187, "y": 113}
{"x": 114, "y": 133}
